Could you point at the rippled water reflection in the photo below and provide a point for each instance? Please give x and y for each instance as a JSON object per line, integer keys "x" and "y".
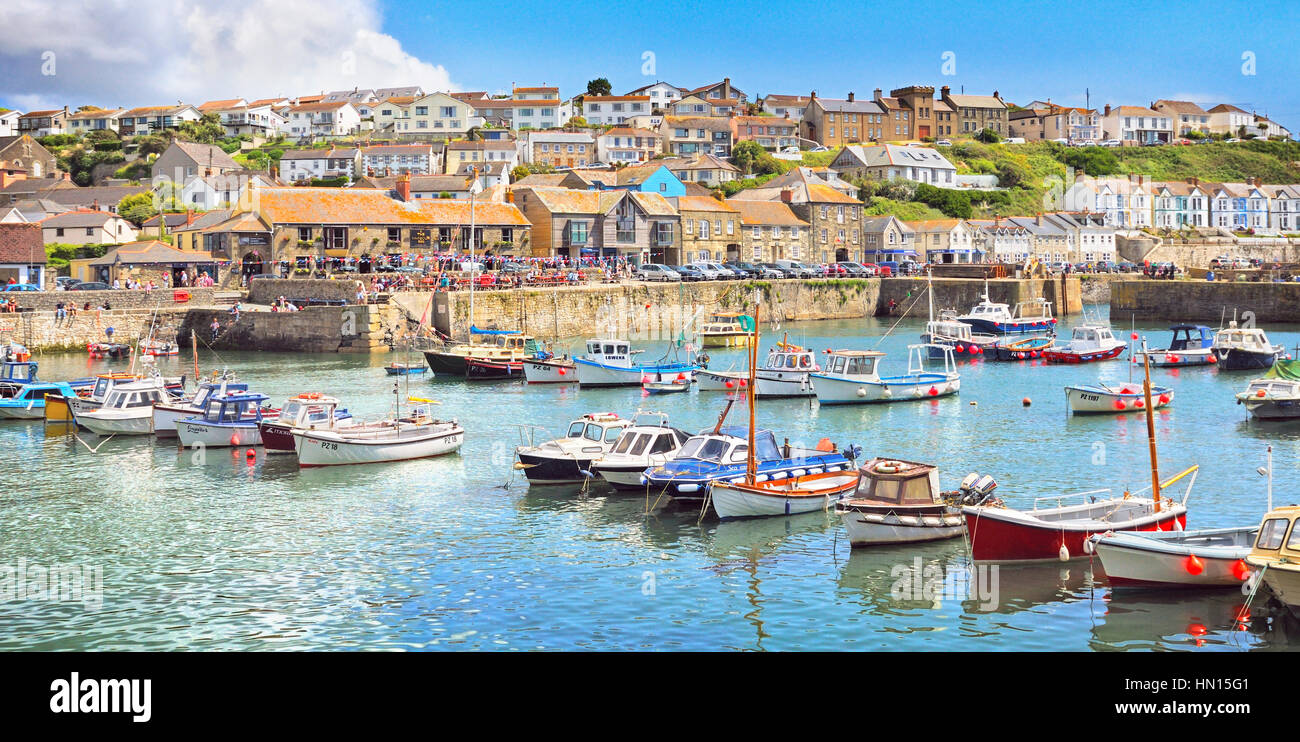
{"x": 457, "y": 553}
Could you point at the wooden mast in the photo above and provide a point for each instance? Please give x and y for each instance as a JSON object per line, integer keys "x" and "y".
{"x": 1151, "y": 427}
{"x": 751, "y": 467}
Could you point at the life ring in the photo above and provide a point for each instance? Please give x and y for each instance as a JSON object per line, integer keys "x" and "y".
{"x": 890, "y": 467}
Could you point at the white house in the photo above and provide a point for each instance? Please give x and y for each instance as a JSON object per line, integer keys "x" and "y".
{"x": 334, "y": 119}
{"x": 220, "y": 191}
{"x": 396, "y": 159}
{"x": 782, "y": 106}
{"x": 436, "y": 115}
{"x": 1135, "y": 125}
{"x": 883, "y": 162}
{"x": 88, "y": 121}
{"x": 1180, "y": 204}
{"x": 661, "y": 94}
{"x": 87, "y": 227}
{"x": 239, "y": 117}
{"x": 1230, "y": 120}
{"x": 1002, "y": 241}
{"x": 9, "y": 123}
{"x": 608, "y": 110}
{"x": 1283, "y": 207}
{"x": 628, "y": 145}
{"x": 300, "y": 165}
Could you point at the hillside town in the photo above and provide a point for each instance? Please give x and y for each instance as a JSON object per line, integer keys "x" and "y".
{"x": 373, "y": 179}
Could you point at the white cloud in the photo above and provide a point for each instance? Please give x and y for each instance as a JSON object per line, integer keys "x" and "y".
{"x": 154, "y": 52}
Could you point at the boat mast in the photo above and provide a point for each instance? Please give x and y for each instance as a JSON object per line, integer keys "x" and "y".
{"x": 194, "y": 346}
{"x": 751, "y": 468}
{"x": 1151, "y": 427}
{"x": 473, "y": 191}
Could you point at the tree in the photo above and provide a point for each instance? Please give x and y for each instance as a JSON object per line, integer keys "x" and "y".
{"x": 519, "y": 173}
{"x": 137, "y": 208}
{"x": 207, "y": 130}
{"x": 150, "y": 144}
{"x": 988, "y": 136}
{"x": 578, "y": 122}
{"x": 599, "y": 86}
{"x": 746, "y": 154}
{"x": 86, "y": 109}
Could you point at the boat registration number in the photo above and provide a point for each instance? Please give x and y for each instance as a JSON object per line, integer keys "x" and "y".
{"x": 329, "y": 446}
{"x": 1090, "y": 397}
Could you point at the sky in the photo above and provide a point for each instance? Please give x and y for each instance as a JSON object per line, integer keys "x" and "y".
{"x": 124, "y": 53}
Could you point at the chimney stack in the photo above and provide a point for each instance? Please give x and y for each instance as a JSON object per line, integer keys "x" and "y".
{"x": 787, "y": 195}
{"x": 875, "y": 94}
{"x": 1107, "y": 110}
{"x": 850, "y": 96}
{"x": 943, "y": 91}
{"x": 510, "y": 196}
{"x": 404, "y": 187}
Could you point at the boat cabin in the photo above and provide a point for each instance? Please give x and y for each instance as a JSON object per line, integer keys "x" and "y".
{"x": 730, "y": 446}
{"x": 616, "y": 353}
{"x": 234, "y": 408}
{"x": 858, "y": 364}
{"x": 105, "y": 383}
{"x": 599, "y": 427}
{"x": 308, "y": 411}
{"x": 728, "y": 322}
{"x": 1191, "y": 337}
{"x": 135, "y": 394}
{"x": 1279, "y": 540}
{"x": 1033, "y": 309}
{"x": 504, "y": 339}
{"x": 37, "y": 392}
{"x": 791, "y": 358}
{"x": 990, "y": 311}
{"x": 649, "y": 437}
{"x": 18, "y": 372}
{"x": 898, "y": 483}
{"x": 1243, "y": 338}
{"x": 1085, "y": 338}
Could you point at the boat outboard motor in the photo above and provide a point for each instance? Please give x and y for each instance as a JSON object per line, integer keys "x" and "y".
{"x": 969, "y": 481}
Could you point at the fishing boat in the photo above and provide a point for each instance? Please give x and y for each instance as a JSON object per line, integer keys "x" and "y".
{"x": 311, "y": 411}
{"x": 167, "y": 414}
{"x": 16, "y": 375}
{"x": 230, "y": 419}
{"x": 1106, "y": 399}
{"x": 547, "y": 369}
{"x": 719, "y": 381}
{"x": 29, "y": 402}
{"x": 787, "y": 372}
{"x": 1088, "y": 343}
{"x": 417, "y": 435}
{"x": 647, "y": 443}
{"x": 405, "y": 369}
{"x": 948, "y": 331}
{"x": 670, "y": 386}
{"x": 852, "y": 377}
{"x": 1276, "y": 396}
{"x": 1191, "y": 559}
{"x": 108, "y": 350}
{"x": 609, "y": 363}
{"x": 1276, "y": 555}
{"x": 1022, "y": 350}
{"x": 128, "y": 410}
{"x": 494, "y": 345}
{"x": 1244, "y": 348}
{"x": 993, "y": 318}
{"x": 727, "y": 330}
{"x": 91, "y": 393}
{"x": 721, "y": 453}
{"x": 1061, "y": 532}
{"x": 490, "y": 369}
{"x": 899, "y": 502}
{"x": 158, "y": 348}
{"x": 1191, "y": 345}
{"x": 568, "y": 460}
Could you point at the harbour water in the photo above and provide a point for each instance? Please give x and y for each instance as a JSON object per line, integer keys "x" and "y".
{"x": 212, "y": 550}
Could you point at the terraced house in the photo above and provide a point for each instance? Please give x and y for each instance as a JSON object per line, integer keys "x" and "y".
{"x": 301, "y": 224}
{"x": 834, "y": 218}
{"x": 711, "y": 229}
{"x": 1187, "y": 116}
{"x": 154, "y": 119}
{"x": 463, "y": 152}
{"x": 611, "y": 110}
{"x": 975, "y": 113}
{"x": 432, "y": 116}
{"x": 642, "y": 227}
{"x": 560, "y": 148}
{"x": 84, "y": 122}
{"x": 1181, "y": 204}
{"x": 772, "y": 134}
{"x": 628, "y": 145}
{"x": 689, "y": 136}
{"x": 770, "y": 230}
{"x": 834, "y": 123}
{"x": 397, "y": 159}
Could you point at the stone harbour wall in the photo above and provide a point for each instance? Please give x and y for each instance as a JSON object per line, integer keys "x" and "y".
{"x": 41, "y": 301}
{"x": 43, "y": 332}
{"x": 326, "y": 329}
{"x": 1204, "y": 301}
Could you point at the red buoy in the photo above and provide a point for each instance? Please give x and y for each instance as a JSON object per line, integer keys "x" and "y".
{"x": 1138, "y": 403}
{"x": 251, "y": 454}
{"x": 730, "y": 384}
{"x": 1164, "y": 399}
{"x": 1193, "y": 564}
{"x": 563, "y": 371}
{"x": 934, "y": 392}
{"x": 1240, "y": 569}
{"x": 1025, "y": 401}
{"x": 1119, "y": 404}
{"x": 234, "y": 439}
{"x": 960, "y": 348}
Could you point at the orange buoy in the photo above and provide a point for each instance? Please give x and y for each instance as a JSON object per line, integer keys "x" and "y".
{"x": 1119, "y": 405}
{"x": 1026, "y": 401}
{"x": 234, "y": 439}
{"x": 1193, "y": 564}
{"x": 1240, "y": 569}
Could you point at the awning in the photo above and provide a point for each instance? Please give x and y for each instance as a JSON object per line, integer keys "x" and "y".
{"x": 336, "y": 252}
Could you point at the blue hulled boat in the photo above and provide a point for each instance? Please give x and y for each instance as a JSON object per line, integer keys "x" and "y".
{"x": 993, "y": 318}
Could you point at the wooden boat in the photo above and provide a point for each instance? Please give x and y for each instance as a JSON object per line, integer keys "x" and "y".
{"x": 1185, "y": 349}
{"x": 405, "y": 369}
{"x": 1275, "y": 556}
{"x": 787, "y": 372}
{"x": 1088, "y": 343}
{"x": 1277, "y": 395}
{"x": 608, "y": 362}
{"x": 29, "y": 402}
{"x": 899, "y": 502}
{"x": 496, "y": 345}
{"x": 852, "y": 377}
{"x": 128, "y": 410}
{"x": 666, "y": 387}
{"x": 789, "y": 495}
{"x": 1104, "y": 399}
{"x": 230, "y": 419}
{"x": 727, "y": 330}
{"x": 415, "y": 436}
{"x": 1191, "y": 559}
{"x": 311, "y": 411}
{"x": 167, "y": 414}
{"x": 647, "y": 443}
{"x": 568, "y": 459}
{"x": 545, "y": 368}
{"x": 1244, "y": 348}
{"x": 1022, "y": 350}
{"x": 488, "y": 369}
{"x": 108, "y": 350}
{"x": 1002, "y": 534}
{"x": 993, "y": 318}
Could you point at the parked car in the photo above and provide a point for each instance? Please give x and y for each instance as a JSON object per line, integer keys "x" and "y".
{"x": 22, "y": 287}
{"x": 748, "y": 269}
{"x": 833, "y": 270}
{"x": 1014, "y": 140}
{"x": 657, "y": 272}
{"x": 820, "y": 148}
{"x": 1231, "y": 140}
{"x": 798, "y": 269}
{"x": 943, "y": 143}
{"x": 1060, "y": 140}
{"x": 784, "y": 271}
{"x": 908, "y": 268}
{"x": 871, "y": 268}
{"x": 66, "y": 281}
{"x": 790, "y": 151}
{"x": 732, "y": 271}
{"x": 688, "y": 272}
{"x": 90, "y": 286}
{"x": 1126, "y": 267}
{"x": 1111, "y": 143}
{"x": 711, "y": 271}
{"x": 1105, "y": 266}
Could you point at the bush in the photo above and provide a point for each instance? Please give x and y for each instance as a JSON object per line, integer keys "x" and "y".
{"x": 988, "y": 136}
{"x": 1094, "y": 161}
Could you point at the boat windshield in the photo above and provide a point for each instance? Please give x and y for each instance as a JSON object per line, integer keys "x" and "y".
{"x": 641, "y": 442}
{"x": 1272, "y": 533}
{"x": 575, "y": 430}
{"x": 912, "y": 491}
{"x": 101, "y": 388}
{"x": 704, "y": 449}
{"x": 593, "y": 432}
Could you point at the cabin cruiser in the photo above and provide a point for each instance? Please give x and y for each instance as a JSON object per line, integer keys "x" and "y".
{"x": 608, "y": 362}
{"x": 29, "y": 402}
{"x": 1088, "y": 343}
{"x": 952, "y": 332}
{"x": 313, "y": 411}
{"x": 647, "y": 443}
{"x": 491, "y": 345}
{"x": 721, "y": 453}
{"x": 994, "y": 318}
{"x": 230, "y": 419}
{"x": 853, "y": 377}
{"x": 1276, "y": 555}
{"x": 128, "y": 410}
{"x": 1185, "y": 348}
{"x": 568, "y": 460}
{"x": 899, "y": 502}
{"x": 1276, "y": 396}
{"x": 167, "y": 414}
{"x": 727, "y": 330}
{"x": 1242, "y": 348}
{"x": 15, "y": 376}
{"x": 787, "y": 372}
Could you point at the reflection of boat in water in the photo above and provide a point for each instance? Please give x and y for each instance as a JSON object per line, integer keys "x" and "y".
{"x": 1149, "y": 619}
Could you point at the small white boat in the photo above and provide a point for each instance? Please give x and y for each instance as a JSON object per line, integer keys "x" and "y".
{"x": 127, "y": 411}
{"x": 1276, "y": 396}
{"x": 649, "y": 442}
{"x": 416, "y": 437}
{"x": 784, "y": 496}
{"x": 1100, "y": 398}
{"x": 568, "y": 460}
{"x": 1244, "y": 348}
{"x": 1184, "y": 349}
{"x": 672, "y": 386}
{"x": 899, "y": 502}
{"x": 852, "y": 377}
{"x": 1088, "y": 343}
{"x": 609, "y": 363}
{"x": 720, "y": 381}
{"x": 1206, "y": 558}
{"x": 230, "y": 419}
{"x": 312, "y": 410}
{"x": 787, "y": 372}
{"x": 538, "y": 370}
{"x": 167, "y": 414}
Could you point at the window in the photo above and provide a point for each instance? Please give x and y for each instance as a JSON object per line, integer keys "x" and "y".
{"x": 1271, "y": 533}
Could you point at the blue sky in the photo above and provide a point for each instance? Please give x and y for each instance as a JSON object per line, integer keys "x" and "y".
{"x": 1125, "y": 52}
